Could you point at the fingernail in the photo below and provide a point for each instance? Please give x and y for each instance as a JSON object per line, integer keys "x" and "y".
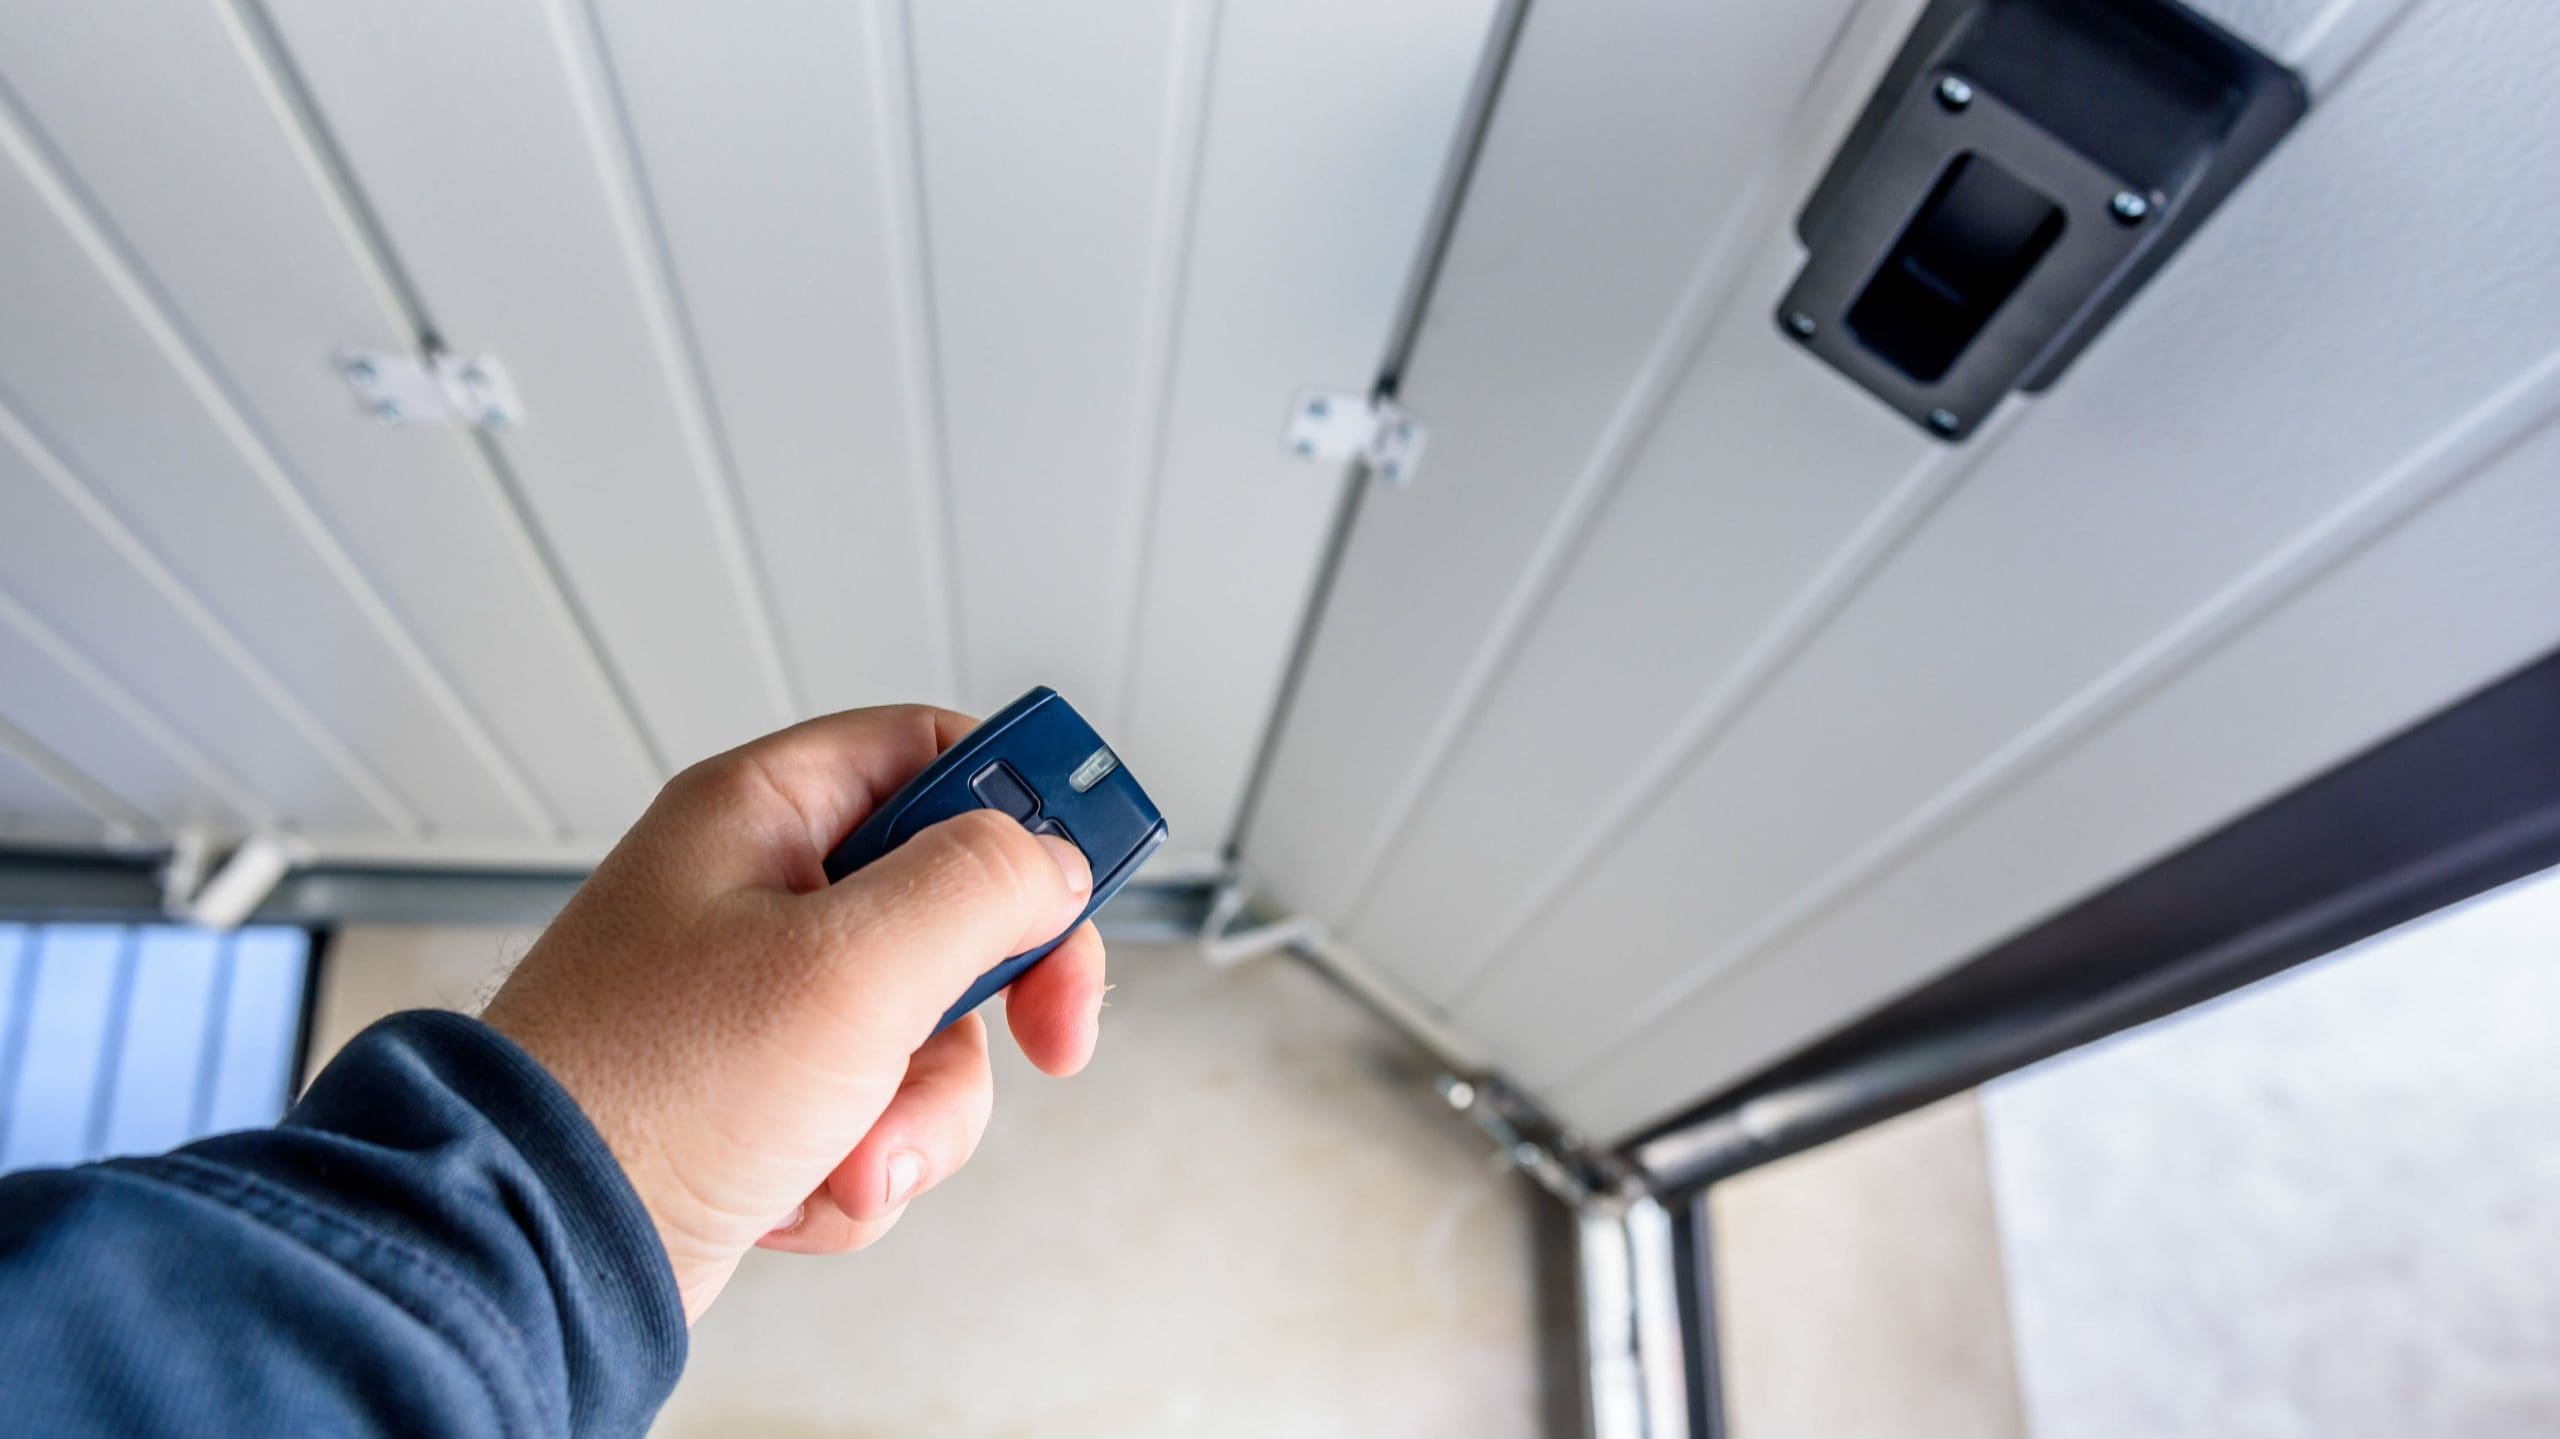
{"x": 799, "y": 1216}
{"x": 904, "y": 1169}
{"x": 1071, "y": 862}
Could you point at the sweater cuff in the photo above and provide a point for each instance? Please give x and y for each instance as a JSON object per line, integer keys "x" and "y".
{"x": 620, "y": 1313}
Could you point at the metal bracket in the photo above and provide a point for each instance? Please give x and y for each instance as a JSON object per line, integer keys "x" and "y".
{"x": 1225, "y": 946}
{"x": 1524, "y": 1138}
{"x": 433, "y": 388}
{"x": 1348, "y": 425}
{"x": 235, "y": 888}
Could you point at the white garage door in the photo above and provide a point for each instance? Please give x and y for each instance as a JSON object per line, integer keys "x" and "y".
{"x": 1690, "y": 702}
{"x": 867, "y": 352}
{"x": 1687, "y": 703}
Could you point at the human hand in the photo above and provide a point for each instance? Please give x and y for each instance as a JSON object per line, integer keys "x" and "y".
{"x": 751, "y": 1041}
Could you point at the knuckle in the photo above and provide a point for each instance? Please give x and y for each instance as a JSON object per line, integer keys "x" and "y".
{"x": 722, "y": 776}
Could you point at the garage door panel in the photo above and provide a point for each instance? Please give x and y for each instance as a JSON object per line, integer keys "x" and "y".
{"x": 1647, "y": 769}
{"x": 2091, "y": 528}
{"x": 490, "y": 140}
{"x": 2284, "y": 699}
{"x": 1052, "y": 122}
{"x": 230, "y": 214}
{"x": 126, "y": 407}
{"x": 1725, "y": 524}
{"x": 1589, "y": 252}
{"x": 36, "y": 809}
{"x": 87, "y": 579}
{"x": 61, "y": 702}
{"x": 776, "y": 141}
{"x": 1283, "y": 287}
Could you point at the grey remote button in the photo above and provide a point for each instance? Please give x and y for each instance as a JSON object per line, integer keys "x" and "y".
{"x": 998, "y": 787}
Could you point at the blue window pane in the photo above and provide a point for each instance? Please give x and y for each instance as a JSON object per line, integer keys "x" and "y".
{"x": 152, "y": 1096}
{"x": 17, "y": 1000}
{"x": 125, "y": 1039}
{"x": 253, "y": 1080}
{"x": 13, "y": 937}
{"x": 66, "y": 1036}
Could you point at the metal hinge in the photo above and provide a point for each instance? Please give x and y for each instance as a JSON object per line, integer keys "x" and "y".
{"x": 433, "y": 388}
{"x": 1349, "y": 424}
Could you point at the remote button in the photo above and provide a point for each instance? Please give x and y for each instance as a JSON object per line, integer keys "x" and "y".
{"x": 1051, "y": 826}
{"x": 998, "y": 787}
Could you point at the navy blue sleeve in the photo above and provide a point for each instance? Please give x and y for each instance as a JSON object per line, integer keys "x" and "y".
{"x": 434, "y": 1241}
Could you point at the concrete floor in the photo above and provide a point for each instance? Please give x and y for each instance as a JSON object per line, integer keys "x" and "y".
{"x": 1249, "y": 1218}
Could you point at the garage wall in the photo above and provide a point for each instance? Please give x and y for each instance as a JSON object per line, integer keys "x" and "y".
{"x": 1690, "y": 704}
{"x": 869, "y": 352}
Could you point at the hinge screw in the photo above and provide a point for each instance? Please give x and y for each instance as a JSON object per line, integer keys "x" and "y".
{"x": 1954, "y": 92}
{"x": 389, "y": 414}
{"x": 1944, "y": 421}
{"x": 1305, "y": 448}
{"x": 2128, "y": 207}
{"x": 360, "y": 371}
{"x": 1317, "y": 409}
{"x": 1800, "y": 324}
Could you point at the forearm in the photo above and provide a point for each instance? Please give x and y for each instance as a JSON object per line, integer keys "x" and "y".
{"x": 434, "y": 1241}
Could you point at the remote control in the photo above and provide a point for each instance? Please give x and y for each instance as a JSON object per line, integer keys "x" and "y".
{"x": 1038, "y": 761}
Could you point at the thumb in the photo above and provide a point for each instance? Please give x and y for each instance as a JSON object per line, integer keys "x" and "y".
{"x": 946, "y": 906}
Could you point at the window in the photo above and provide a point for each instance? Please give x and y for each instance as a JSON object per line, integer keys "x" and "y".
{"x": 131, "y": 1038}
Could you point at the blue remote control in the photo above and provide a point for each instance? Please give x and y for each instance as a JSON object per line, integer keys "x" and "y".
{"x": 1037, "y": 760}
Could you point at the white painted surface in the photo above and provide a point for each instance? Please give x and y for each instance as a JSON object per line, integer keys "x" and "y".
{"x": 774, "y": 137}
{"x": 1047, "y": 121}
{"x": 228, "y": 212}
{"x": 37, "y": 806}
{"x": 1701, "y": 705}
{"x": 84, "y": 720}
{"x": 1546, "y": 341}
{"x": 75, "y": 571}
{"x": 869, "y": 352}
{"x": 127, "y": 412}
{"x": 1272, "y": 302}
{"x": 2319, "y": 1207}
{"x": 491, "y": 138}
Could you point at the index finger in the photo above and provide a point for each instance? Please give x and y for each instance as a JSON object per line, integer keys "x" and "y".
{"x": 836, "y": 769}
